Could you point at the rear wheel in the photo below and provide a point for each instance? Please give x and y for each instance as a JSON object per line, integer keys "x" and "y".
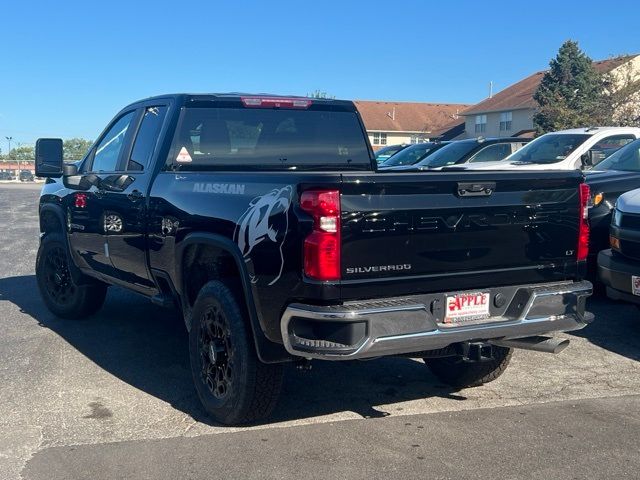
{"x": 61, "y": 294}
{"x": 234, "y": 386}
{"x": 459, "y": 373}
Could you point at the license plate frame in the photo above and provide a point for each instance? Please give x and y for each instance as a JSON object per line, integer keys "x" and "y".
{"x": 467, "y": 308}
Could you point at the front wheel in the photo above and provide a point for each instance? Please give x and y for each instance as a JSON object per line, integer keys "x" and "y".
{"x": 459, "y": 373}
{"x": 61, "y": 294}
{"x": 234, "y": 386}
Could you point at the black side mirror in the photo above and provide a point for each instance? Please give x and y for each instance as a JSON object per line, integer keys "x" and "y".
{"x": 49, "y": 157}
{"x": 69, "y": 169}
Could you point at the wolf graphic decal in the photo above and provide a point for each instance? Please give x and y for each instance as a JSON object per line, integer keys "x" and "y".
{"x": 266, "y": 220}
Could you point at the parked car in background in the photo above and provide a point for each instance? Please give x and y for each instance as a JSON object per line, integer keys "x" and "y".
{"x": 26, "y": 176}
{"x": 412, "y": 154}
{"x": 612, "y": 177}
{"x": 474, "y": 150}
{"x": 619, "y": 266}
{"x": 6, "y": 176}
{"x": 384, "y": 153}
{"x": 578, "y": 148}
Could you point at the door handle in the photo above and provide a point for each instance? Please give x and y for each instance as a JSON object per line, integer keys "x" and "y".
{"x": 135, "y": 195}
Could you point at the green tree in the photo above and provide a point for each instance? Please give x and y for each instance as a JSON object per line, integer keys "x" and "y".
{"x": 23, "y": 153}
{"x": 570, "y": 93}
{"x": 75, "y": 148}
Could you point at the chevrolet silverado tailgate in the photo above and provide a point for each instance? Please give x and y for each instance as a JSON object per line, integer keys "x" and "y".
{"x": 408, "y": 233}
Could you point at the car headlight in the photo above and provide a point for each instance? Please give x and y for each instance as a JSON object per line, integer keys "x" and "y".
{"x": 616, "y": 218}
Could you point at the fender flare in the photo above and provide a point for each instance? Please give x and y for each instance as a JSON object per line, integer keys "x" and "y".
{"x": 268, "y": 351}
{"x": 56, "y": 210}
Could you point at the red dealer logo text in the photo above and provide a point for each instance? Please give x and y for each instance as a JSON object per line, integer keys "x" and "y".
{"x": 464, "y": 301}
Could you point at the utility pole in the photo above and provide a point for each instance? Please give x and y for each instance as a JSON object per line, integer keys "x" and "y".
{"x": 18, "y": 161}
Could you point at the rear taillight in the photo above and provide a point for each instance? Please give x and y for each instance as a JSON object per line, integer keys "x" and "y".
{"x": 275, "y": 102}
{"x": 322, "y": 246}
{"x": 583, "y": 228}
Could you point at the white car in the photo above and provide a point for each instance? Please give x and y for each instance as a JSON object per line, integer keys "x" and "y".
{"x": 565, "y": 150}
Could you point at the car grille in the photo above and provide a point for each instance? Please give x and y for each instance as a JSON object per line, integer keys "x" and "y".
{"x": 630, "y": 221}
{"x": 630, "y": 249}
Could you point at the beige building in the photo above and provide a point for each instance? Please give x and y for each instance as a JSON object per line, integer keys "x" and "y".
{"x": 391, "y": 123}
{"x": 510, "y": 111}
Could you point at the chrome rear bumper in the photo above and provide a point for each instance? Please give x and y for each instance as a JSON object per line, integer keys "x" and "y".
{"x": 415, "y": 324}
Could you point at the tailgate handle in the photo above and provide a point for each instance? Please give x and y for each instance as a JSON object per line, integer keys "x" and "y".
{"x": 476, "y": 189}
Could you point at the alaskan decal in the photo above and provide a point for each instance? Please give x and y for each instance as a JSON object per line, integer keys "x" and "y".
{"x": 226, "y": 188}
{"x": 266, "y": 220}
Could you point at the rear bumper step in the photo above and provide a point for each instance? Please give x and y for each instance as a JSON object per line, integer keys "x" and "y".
{"x": 414, "y": 324}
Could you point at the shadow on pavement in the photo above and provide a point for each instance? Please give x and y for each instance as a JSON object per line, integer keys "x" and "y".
{"x": 146, "y": 347}
{"x": 616, "y": 327}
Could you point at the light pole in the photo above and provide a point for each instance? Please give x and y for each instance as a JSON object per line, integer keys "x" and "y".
{"x": 18, "y": 145}
{"x": 9, "y": 152}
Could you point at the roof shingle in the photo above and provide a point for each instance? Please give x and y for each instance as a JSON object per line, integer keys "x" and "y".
{"x": 520, "y": 94}
{"x": 407, "y": 116}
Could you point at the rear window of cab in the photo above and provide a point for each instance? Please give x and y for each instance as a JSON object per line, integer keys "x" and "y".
{"x": 223, "y": 138}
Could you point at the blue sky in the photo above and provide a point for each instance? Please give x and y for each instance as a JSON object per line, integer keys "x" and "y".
{"x": 67, "y": 67}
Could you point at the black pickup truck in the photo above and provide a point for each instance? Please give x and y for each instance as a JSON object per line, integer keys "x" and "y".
{"x": 265, "y": 222}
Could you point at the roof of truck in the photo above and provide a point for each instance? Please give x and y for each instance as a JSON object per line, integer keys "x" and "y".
{"x": 237, "y": 95}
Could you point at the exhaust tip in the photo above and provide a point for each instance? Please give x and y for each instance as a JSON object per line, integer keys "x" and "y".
{"x": 561, "y": 345}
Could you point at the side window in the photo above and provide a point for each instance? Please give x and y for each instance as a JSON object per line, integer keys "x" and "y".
{"x": 492, "y": 153}
{"x": 108, "y": 150}
{"x": 146, "y": 138}
{"x": 608, "y": 145}
{"x": 628, "y": 159}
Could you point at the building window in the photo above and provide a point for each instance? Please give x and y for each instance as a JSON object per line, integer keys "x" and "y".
{"x": 505, "y": 121}
{"x": 379, "y": 138}
{"x": 481, "y": 123}
{"x": 418, "y": 138}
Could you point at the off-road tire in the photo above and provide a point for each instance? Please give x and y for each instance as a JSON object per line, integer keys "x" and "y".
{"x": 234, "y": 386}
{"x": 458, "y": 373}
{"x": 62, "y": 295}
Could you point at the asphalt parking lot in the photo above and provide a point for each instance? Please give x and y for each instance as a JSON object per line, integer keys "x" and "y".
{"x": 111, "y": 397}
